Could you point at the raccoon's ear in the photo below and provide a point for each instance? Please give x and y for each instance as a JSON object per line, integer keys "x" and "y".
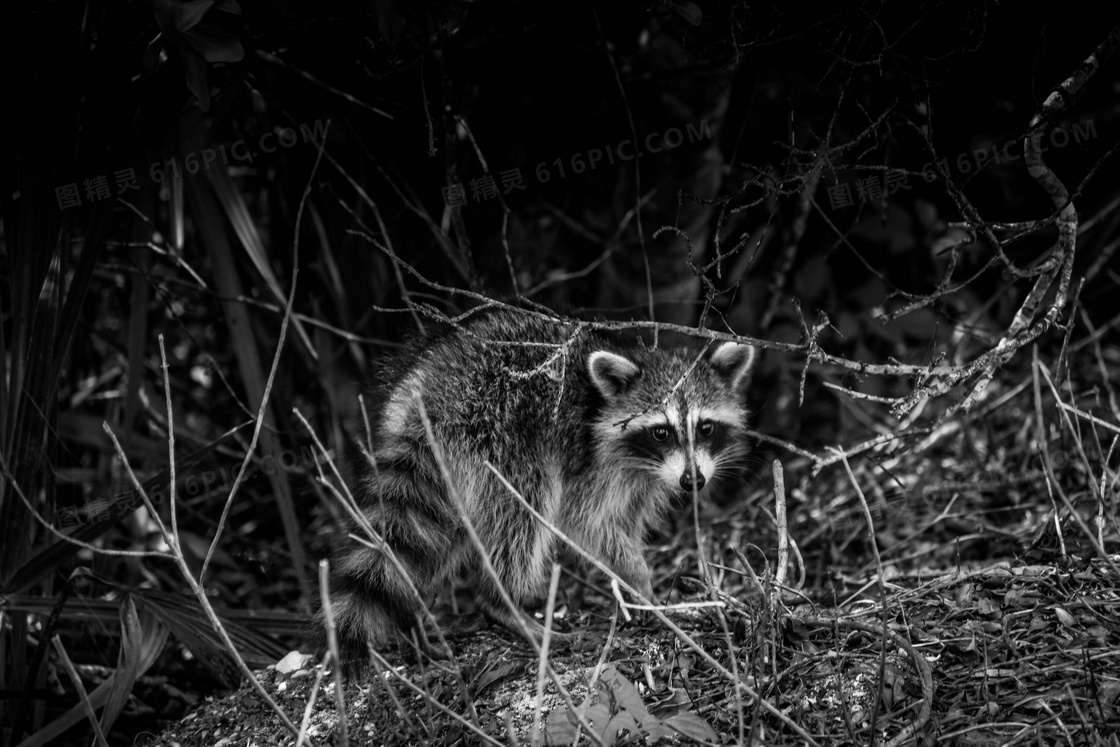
{"x": 733, "y": 361}
{"x": 611, "y": 373}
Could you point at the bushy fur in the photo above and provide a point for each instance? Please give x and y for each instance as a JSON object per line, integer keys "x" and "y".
{"x": 593, "y": 433}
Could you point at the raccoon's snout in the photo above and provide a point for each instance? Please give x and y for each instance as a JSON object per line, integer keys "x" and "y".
{"x": 687, "y": 481}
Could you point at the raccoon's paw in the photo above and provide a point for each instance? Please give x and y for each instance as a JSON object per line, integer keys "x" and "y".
{"x": 634, "y": 605}
{"x": 413, "y": 644}
{"x": 637, "y": 617}
{"x": 520, "y": 623}
{"x": 633, "y": 570}
{"x": 644, "y": 597}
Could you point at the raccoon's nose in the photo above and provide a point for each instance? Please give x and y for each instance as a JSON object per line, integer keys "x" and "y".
{"x": 686, "y": 480}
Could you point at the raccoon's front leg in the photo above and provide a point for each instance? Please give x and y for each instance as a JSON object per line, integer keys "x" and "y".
{"x": 521, "y": 553}
{"x": 624, "y": 556}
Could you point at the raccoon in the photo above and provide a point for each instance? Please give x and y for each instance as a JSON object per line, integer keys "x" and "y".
{"x": 597, "y": 435}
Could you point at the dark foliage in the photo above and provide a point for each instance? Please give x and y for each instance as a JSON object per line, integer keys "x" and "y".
{"x": 251, "y": 204}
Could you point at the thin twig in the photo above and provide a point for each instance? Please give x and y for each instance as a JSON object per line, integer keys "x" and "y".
{"x": 332, "y": 647}
{"x": 310, "y": 707}
{"x": 542, "y": 662}
{"x": 780, "y": 517}
{"x": 882, "y": 594}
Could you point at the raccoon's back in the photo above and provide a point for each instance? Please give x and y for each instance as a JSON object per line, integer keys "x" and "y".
{"x": 504, "y": 385}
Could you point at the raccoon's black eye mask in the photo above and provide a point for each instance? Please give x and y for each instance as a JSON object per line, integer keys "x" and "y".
{"x": 661, "y": 432}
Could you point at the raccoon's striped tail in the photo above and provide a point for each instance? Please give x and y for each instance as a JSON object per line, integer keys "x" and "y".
{"x": 366, "y": 617}
{"x": 362, "y": 619}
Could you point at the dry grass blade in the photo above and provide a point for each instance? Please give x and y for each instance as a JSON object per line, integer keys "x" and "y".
{"x": 25, "y": 424}
{"x": 142, "y": 641}
{"x": 259, "y": 627}
{"x": 30, "y": 426}
{"x": 187, "y": 622}
{"x": 200, "y": 594}
{"x": 87, "y": 706}
{"x": 1088, "y": 533}
{"x": 210, "y": 220}
{"x": 137, "y": 335}
{"x": 49, "y": 734}
{"x": 53, "y": 557}
{"x": 194, "y": 139}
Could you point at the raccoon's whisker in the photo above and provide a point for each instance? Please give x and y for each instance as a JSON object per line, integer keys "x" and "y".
{"x": 728, "y": 469}
{"x": 730, "y": 459}
{"x": 635, "y": 459}
{"x": 642, "y": 464}
{"x": 642, "y": 459}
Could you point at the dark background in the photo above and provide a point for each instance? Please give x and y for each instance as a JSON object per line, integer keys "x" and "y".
{"x": 419, "y": 97}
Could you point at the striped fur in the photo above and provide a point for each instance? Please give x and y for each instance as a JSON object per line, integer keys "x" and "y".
{"x": 597, "y": 435}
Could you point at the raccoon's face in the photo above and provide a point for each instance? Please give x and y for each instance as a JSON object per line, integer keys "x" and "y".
{"x": 671, "y": 416}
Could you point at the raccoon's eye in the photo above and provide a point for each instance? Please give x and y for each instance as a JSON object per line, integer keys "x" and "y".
{"x": 660, "y": 432}
{"x": 706, "y": 428}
